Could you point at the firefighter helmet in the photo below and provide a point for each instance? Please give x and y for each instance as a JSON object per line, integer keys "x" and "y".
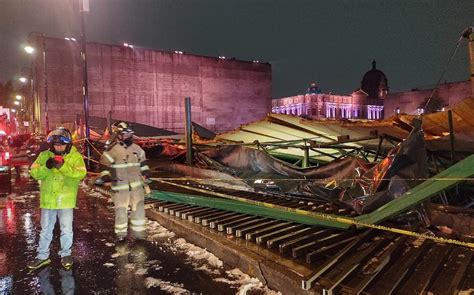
{"x": 121, "y": 127}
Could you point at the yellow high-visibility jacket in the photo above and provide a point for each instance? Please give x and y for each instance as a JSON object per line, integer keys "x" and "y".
{"x": 58, "y": 187}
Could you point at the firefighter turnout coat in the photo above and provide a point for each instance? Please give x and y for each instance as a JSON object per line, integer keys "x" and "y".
{"x": 125, "y": 166}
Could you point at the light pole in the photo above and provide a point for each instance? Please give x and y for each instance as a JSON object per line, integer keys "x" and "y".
{"x": 30, "y": 102}
{"x": 469, "y": 35}
{"x": 85, "y": 85}
{"x": 20, "y": 116}
{"x": 31, "y": 50}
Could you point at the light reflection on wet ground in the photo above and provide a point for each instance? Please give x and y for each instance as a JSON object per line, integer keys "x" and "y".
{"x": 101, "y": 267}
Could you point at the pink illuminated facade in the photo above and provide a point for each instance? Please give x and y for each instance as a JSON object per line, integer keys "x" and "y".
{"x": 364, "y": 103}
{"x": 355, "y": 106}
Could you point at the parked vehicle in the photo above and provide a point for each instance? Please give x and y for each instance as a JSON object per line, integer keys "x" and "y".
{"x": 35, "y": 145}
{"x": 5, "y": 167}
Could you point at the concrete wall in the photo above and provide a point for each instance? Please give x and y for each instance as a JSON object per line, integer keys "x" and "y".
{"x": 409, "y": 101}
{"x": 149, "y": 86}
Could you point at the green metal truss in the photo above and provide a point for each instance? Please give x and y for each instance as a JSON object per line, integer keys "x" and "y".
{"x": 241, "y": 207}
{"x": 429, "y": 188}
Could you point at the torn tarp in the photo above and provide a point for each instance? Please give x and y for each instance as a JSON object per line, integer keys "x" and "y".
{"x": 368, "y": 189}
{"x": 350, "y": 181}
{"x": 259, "y": 168}
{"x": 404, "y": 168}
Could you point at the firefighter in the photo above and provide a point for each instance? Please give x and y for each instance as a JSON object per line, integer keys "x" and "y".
{"x": 59, "y": 170}
{"x": 125, "y": 172}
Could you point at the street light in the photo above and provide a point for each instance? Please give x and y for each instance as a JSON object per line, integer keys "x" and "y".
{"x": 16, "y": 102}
{"x": 29, "y": 49}
{"x": 23, "y": 79}
{"x": 18, "y": 97}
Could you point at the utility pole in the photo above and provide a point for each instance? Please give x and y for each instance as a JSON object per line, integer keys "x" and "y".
{"x": 85, "y": 86}
{"x": 469, "y": 34}
{"x": 46, "y": 99}
{"x": 189, "y": 131}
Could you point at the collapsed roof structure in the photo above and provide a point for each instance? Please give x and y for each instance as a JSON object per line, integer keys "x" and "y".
{"x": 311, "y": 188}
{"x": 361, "y": 164}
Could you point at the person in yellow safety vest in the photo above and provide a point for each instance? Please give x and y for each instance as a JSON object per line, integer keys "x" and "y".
{"x": 59, "y": 171}
{"x": 125, "y": 172}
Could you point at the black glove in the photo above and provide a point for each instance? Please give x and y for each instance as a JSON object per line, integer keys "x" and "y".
{"x": 50, "y": 163}
{"x": 53, "y": 163}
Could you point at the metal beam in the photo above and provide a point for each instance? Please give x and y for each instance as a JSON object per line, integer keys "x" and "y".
{"x": 325, "y": 154}
{"x": 448, "y": 178}
{"x": 305, "y": 163}
{"x": 379, "y": 148}
{"x": 364, "y": 138}
{"x": 189, "y": 131}
{"x": 246, "y": 208}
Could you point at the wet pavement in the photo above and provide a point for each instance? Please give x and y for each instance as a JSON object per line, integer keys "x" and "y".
{"x": 163, "y": 264}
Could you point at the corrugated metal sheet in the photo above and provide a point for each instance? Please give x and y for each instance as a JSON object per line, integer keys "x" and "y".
{"x": 276, "y": 128}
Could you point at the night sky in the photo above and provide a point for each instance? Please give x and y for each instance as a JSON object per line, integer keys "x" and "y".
{"x": 331, "y": 42}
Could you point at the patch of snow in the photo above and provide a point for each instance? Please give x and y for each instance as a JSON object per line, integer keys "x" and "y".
{"x": 169, "y": 287}
{"x": 152, "y": 262}
{"x": 156, "y": 231}
{"x": 160, "y": 235}
{"x": 198, "y": 253}
{"x": 108, "y": 264}
{"x": 205, "y": 268}
{"x": 245, "y": 282}
{"x": 121, "y": 253}
{"x": 141, "y": 271}
{"x": 224, "y": 280}
{"x": 200, "y": 259}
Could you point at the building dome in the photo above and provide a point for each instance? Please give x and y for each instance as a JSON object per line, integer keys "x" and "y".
{"x": 375, "y": 83}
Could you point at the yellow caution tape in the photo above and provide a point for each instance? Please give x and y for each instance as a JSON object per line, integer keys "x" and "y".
{"x": 317, "y": 215}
